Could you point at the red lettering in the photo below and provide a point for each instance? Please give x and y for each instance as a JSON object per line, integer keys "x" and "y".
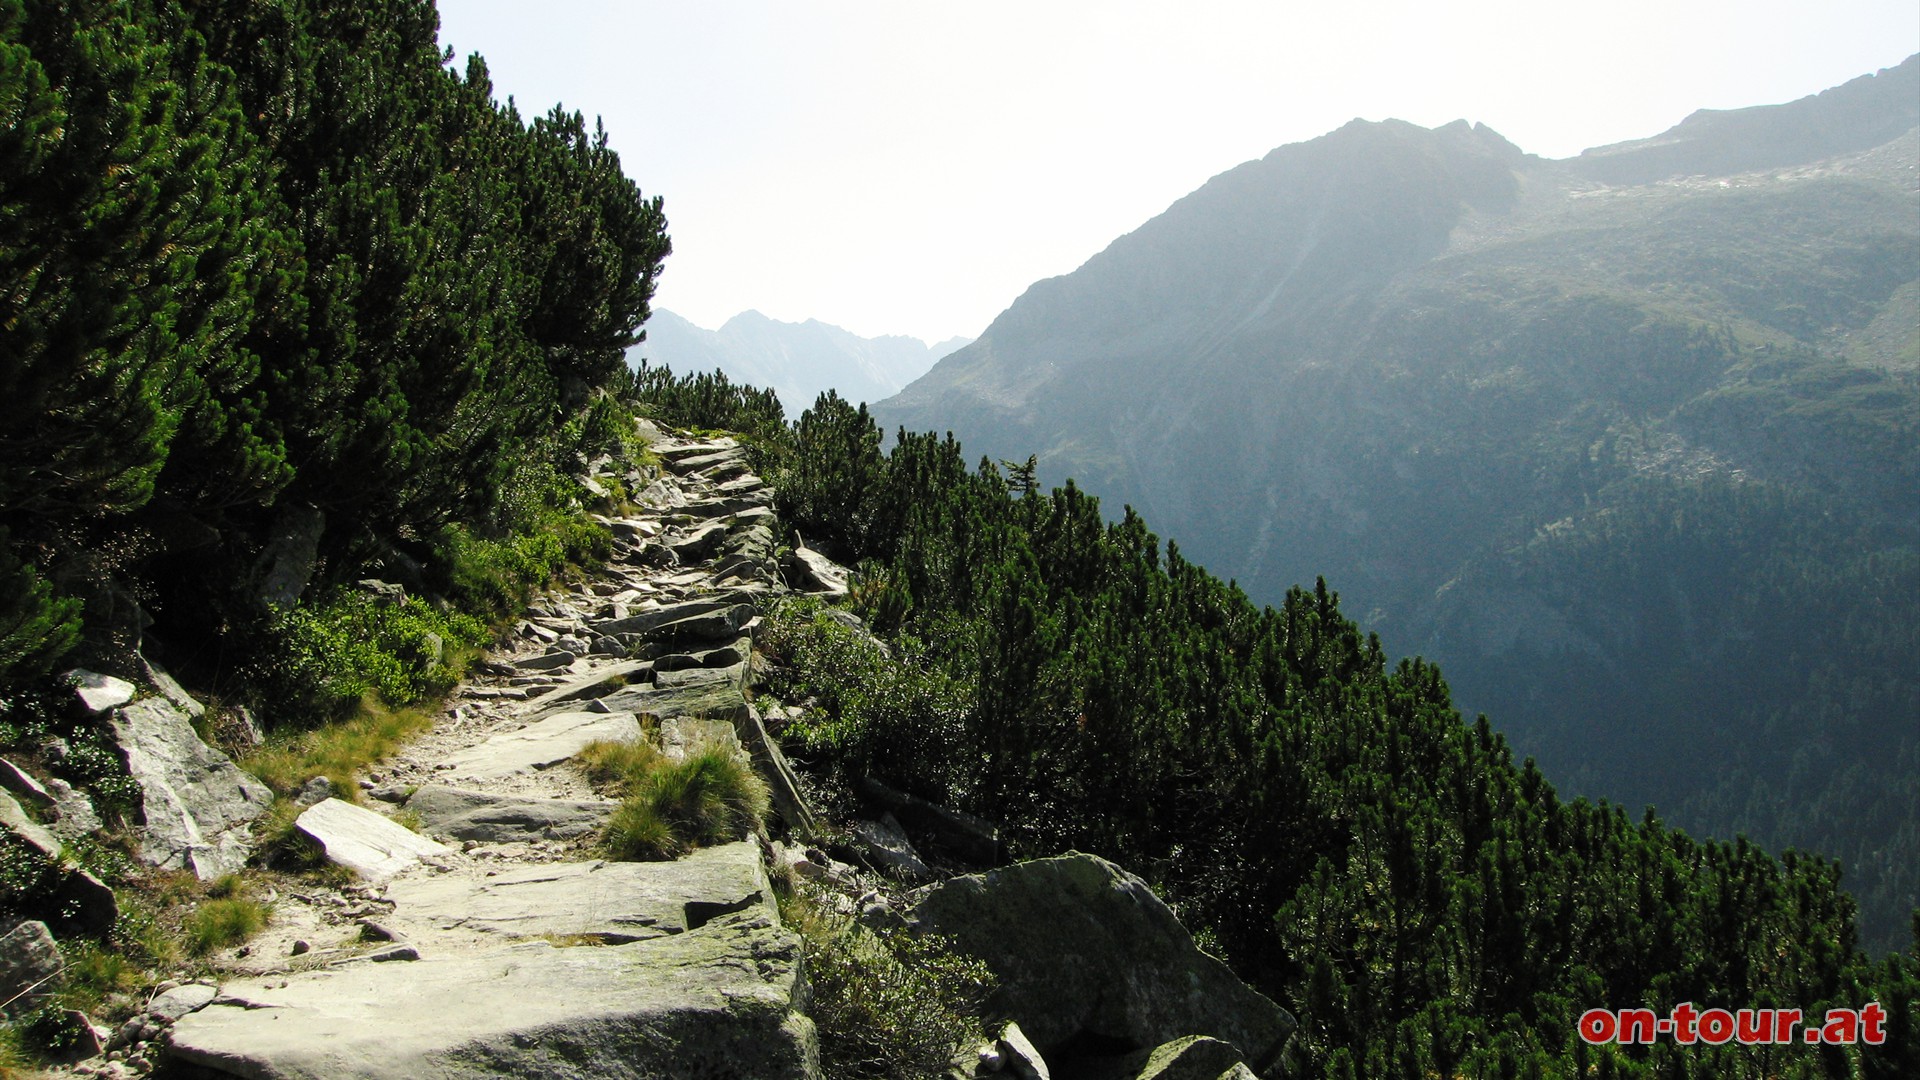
{"x": 1756, "y": 1026}
{"x": 1638, "y": 1025}
{"x": 1871, "y": 1017}
{"x": 1597, "y": 1026}
{"x": 1842, "y": 1026}
{"x": 1716, "y": 1026}
{"x": 1683, "y": 1020}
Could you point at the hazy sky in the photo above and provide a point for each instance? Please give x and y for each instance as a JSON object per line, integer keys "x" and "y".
{"x": 904, "y": 166}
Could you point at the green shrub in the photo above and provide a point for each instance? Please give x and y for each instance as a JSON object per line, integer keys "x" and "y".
{"x": 892, "y": 714}
{"x": 886, "y": 1004}
{"x": 326, "y": 656}
{"x": 219, "y": 923}
{"x": 670, "y": 807}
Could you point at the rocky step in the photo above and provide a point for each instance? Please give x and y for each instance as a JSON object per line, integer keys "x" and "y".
{"x": 714, "y": 991}
{"x": 454, "y": 814}
{"x": 546, "y": 742}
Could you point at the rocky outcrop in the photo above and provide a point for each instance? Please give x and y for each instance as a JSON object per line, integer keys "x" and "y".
{"x": 196, "y": 805}
{"x": 1085, "y": 951}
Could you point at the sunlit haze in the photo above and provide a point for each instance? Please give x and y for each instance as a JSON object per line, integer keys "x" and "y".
{"x": 910, "y": 168}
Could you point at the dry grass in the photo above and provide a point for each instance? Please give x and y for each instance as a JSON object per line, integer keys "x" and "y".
{"x": 338, "y": 751}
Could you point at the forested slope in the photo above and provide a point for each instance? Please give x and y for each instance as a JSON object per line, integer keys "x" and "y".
{"x": 1425, "y": 904}
{"x": 284, "y": 297}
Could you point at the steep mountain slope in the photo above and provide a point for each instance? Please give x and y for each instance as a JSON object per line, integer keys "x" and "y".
{"x": 1629, "y": 443}
{"x": 797, "y": 360}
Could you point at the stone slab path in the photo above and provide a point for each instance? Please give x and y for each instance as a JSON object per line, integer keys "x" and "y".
{"x": 501, "y": 946}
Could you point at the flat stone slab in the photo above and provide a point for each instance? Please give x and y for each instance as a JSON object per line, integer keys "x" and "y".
{"x": 615, "y": 902}
{"x": 713, "y": 701}
{"x": 451, "y": 813}
{"x": 734, "y": 675}
{"x": 597, "y": 683}
{"x": 365, "y": 842}
{"x": 542, "y": 744}
{"x": 718, "y": 1002}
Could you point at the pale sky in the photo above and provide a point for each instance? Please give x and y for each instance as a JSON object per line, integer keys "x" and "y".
{"x": 910, "y": 167}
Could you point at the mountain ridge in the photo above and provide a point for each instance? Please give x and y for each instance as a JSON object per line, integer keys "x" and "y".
{"x": 1471, "y": 387}
{"x": 798, "y": 361}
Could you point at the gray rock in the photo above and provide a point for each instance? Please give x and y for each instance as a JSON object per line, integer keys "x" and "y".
{"x": 170, "y": 688}
{"x": 24, "y": 787}
{"x": 597, "y": 683}
{"x": 1195, "y": 1057}
{"x": 30, "y": 968}
{"x": 969, "y": 837}
{"x": 78, "y": 896}
{"x": 721, "y": 625}
{"x": 196, "y": 802}
{"x": 542, "y": 744}
{"x": 98, "y": 693}
{"x": 455, "y": 814}
{"x": 641, "y": 622}
{"x": 885, "y": 846}
{"x": 699, "y": 543}
{"x": 1081, "y": 947}
{"x": 73, "y": 811}
{"x": 1238, "y": 1072}
{"x": 782, "y": 784}
{"x": 171, "y": 1005}
{"x": 363, "y": 841}
{"x": 614, "y": 902}
{"x": 681, "y": 735}
{"x": 1019, "y": 1057}
{"x": 288, "y": 560}
{"x": 316, "y": 790}
{"x": 674, "y": 451}
{"x": 548, "y": 662}
{"x": 721, "y": 701}
{"x": 720, "y": 1001}
{"x": 809, "y": 571}
{"x": 702, "y": 676}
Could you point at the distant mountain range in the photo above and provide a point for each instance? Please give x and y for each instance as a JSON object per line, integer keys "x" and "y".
{"x": 1629, "y": 443}
{"x": 798, "y": 360}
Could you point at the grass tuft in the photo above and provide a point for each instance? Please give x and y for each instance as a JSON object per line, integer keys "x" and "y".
{"x": 670, "y": 807}
{"x": 219, "y": 923}
{"x": 337, "y": 751}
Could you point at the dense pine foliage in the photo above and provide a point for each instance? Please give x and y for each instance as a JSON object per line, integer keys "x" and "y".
{"x": 276, "y": 269}
{"x": 1425, "y": 904}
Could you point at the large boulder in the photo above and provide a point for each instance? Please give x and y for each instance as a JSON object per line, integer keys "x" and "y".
{"x": 1085, "y": 951}
{"x": 196, "y": 803}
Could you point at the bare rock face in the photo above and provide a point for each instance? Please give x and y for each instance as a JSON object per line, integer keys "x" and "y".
{"x": 1085, "y": 950}
{"x": 196, "y": 801}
